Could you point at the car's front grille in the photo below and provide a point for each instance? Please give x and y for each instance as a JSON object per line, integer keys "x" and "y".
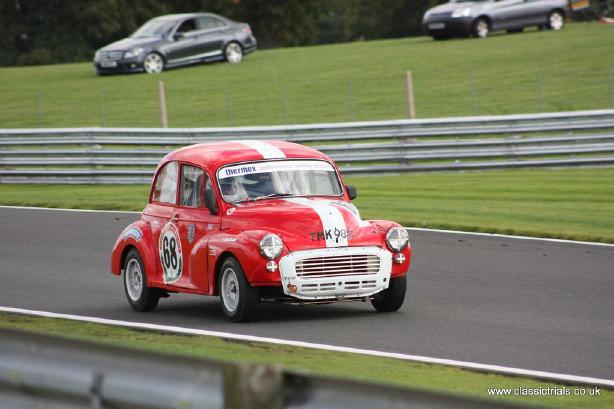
{"x": 330, "y": 266}
{"x": 332, "y": 286}
{"x": 444, "y": 14}
{"x": 111, "y": 55}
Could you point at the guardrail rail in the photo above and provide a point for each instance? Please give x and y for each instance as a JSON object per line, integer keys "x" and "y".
{"x": 45, "y": 371}
{"x": 129, "y": 155}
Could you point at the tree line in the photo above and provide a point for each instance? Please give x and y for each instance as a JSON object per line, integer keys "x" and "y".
{"x": 55, "y": 31}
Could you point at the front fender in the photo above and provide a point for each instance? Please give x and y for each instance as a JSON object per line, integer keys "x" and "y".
{"x": 382, "y": 227}
{"x": 137, "y": 235}
{"x": 244, "y": 246}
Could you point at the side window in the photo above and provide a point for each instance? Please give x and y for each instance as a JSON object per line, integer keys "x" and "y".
{"x": 193, "y": 180}
{"x": 187, "y": 26}
{"x": 165, "y": 189}
{"x": 207, "y": 23}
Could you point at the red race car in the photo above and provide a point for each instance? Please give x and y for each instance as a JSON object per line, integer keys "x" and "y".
{"x": 256, "y": 221}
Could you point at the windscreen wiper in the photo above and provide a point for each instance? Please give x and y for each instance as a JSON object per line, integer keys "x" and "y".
{"x": 270, "y": 195}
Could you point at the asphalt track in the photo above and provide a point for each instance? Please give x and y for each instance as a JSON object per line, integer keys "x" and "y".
{"x": 495, "y": 300}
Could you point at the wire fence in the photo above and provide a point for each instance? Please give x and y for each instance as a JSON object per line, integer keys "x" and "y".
{"x": 287, "y": 102}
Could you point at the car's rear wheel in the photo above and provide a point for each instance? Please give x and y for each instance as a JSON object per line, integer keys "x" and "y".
{"x": 556, "y": 20}
{"x": 481, "y": 28}
{"x": 392, "y": 298}
{"x": 233, "y": 52}
{"x": 140, "y": 297}
{"x": 153, "y": 63}
{"x": 239, "y": 301}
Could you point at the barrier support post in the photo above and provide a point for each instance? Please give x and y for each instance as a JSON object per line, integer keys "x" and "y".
{"x": 411, "y": 109}
{"x": 162, "y": 104}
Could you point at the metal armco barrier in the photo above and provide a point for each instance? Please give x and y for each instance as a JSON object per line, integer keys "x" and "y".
{"x": 129, "y": 155}
{"x": 50, "y": 372}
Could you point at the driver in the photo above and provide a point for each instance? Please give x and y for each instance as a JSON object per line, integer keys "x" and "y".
{"x": 232, "y": 190}
{"x": 258, "y": 184}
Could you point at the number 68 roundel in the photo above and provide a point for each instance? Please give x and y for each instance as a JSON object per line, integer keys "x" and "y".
{"x": 171, "y": 256}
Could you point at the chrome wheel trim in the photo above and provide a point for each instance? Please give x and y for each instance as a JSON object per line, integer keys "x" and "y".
{"x": 556, "y": 21}
{"x": 133, "y": 277}
{"x": 234, "y": 53}
{"x": 153, "y": 63}
{"x": 481, "y": 29}
{"x": 230, "y": 289}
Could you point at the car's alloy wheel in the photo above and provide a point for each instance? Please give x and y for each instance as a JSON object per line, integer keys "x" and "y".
{"x": 481, "y": 28}
{"x": 230, "y": 290}
{"x": 238, "y": 299}
{"x": 233, "y": 53}
{"x": 153, "y": 63}
{"x": 556, "y": 20}
{"x": 134, "y": 279}
{"x": 140, "y": 297}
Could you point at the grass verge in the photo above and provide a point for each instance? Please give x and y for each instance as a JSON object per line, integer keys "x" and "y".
{"x": 388, "y": 371}
{"x": 529, "y": 72}
{"x": 573, "y": 204}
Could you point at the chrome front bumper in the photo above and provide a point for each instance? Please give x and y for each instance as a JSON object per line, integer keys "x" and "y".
{"x": 357, "y": 277}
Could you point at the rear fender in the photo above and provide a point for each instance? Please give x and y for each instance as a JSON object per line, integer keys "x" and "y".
{"x": 137, "y": 235}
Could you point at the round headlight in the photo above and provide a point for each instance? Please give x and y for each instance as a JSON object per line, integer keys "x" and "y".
{"x": 397, "y": 238}
{"x": 271, "y": 246}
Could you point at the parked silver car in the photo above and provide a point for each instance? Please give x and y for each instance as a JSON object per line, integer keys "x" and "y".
{"x": 174, "y": 40}
{"x": 480, "y": 17}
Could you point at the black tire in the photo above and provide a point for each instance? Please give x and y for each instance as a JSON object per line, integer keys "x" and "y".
{"x": 244, "y": 307}
{"x": 148, "y": 297}
{"x": 392, "y": 298}
{"x": 556, "y": 20}
{"x": 480, "y": 28}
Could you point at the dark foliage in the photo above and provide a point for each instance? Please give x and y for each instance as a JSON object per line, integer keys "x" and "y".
{"x": 53, "y": 31}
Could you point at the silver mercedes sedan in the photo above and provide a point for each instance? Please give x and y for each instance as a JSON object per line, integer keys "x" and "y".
{"x": 478, "y": 18}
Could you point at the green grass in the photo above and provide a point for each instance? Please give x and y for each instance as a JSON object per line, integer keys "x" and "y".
{"x": 498, "y": 75}
{"x": 564, "y": 203}
{"x": 350, "y": 366}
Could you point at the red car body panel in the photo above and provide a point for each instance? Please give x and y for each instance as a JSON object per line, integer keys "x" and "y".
{"x": 206, "y": 239}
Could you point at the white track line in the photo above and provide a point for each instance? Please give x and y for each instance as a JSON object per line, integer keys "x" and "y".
{"x": 68, "y": 210}
{"x": 509, "y": 236}
{"x": 505, "y": 236}
{"x": 542, "y": 375}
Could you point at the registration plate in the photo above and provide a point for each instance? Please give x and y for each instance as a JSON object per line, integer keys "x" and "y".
{"x": 108, "y": 64}
{"x": 437, "y": 26}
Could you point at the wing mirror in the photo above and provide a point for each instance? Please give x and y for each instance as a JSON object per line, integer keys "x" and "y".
{"x": 351, "y": 191}
{"x": 210, "y": 201}
{"x": 178, "y": 36}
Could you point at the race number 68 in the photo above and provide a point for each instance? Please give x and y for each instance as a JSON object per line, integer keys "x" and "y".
{"x": 170, "y": 253}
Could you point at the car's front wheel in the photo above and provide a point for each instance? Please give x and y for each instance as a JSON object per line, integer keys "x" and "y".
{"x": 239, "y": 301}
{"x": 481, "y": 28}
{"x": 556, "y": 20}
{"x": 140, "y": 297}
{"x": 153, "y": 63}
{"x": 392, "y": 298}
{"x": 233, "y": 52}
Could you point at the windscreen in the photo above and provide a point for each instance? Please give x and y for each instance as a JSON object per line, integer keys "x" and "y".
{"x": 264, "y": 180}
{"x": 154, "y": 28}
